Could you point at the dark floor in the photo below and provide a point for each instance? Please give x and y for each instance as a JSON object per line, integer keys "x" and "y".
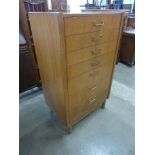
{"x": 103, "y": 132}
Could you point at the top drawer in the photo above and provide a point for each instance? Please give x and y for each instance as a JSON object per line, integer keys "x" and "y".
{"x": 91, "y": 23}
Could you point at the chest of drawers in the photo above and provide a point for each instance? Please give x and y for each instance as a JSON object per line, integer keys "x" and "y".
{"x": 76, "y": 54}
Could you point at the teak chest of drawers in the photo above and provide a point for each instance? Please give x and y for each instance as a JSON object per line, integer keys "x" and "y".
{"x": 76, "y": 55}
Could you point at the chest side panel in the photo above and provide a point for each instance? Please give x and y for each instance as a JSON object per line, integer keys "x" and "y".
{"x": 47, "y": 40}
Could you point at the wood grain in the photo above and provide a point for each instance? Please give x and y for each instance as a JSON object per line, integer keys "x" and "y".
{"x": 90, "y": 65}
{"x": 76, "y": 42}
{"x": 76, "y": 60}
{"x": 49, "y": 55}
{"x": 90, "y": 52}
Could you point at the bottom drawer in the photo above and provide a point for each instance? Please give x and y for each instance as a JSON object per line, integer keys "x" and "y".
{"x": 89, "y": 97}
{"x": 86, "y": 93}
{"x": 82, "y": 106}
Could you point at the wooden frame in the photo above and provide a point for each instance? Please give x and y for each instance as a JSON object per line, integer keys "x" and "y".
{"x": 53, "y": 64}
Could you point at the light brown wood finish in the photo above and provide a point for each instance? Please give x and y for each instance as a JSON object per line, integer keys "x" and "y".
{"x": 50, "y": 60}
{"x": 76, "y": 42}
{"x": 90, "y": 52}
{"x": 78, "y": 69}
{"x": 90, "y": 23}
{"x": 76, "y": 60}
{"x": 90, "y": 79}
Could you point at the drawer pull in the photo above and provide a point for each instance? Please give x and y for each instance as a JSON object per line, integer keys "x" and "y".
{"x": 99, "y": 24}
{"x": 99, "y": 50}
{"x": 97, "y": 38}
{"x": 96, "y": 52}
{"x": 90, "y": 100}
{"x": 93, "y": 73}
{"x": 93, "y": 64}
{"x": 92, "y": 88}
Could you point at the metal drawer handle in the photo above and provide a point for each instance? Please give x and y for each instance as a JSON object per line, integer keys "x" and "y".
{"x": 97, "y": 38}
{"x": 96, "y": 51}
{"x": 93, "y": 73}
{"x": 99, "y": 24}
{"x": 99, "y": 50}
{"x": 95, "y": 63}
{"x": 92, "y": 99}
{"x": 92, "y": 88}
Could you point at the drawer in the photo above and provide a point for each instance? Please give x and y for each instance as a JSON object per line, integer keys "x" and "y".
{"x": 77, "y": 42}
{"x": 85, "y": 24}
{"x": 84, "y": 101}
{"x": 80, "y": 106}
{"x": 111, "y": 21}
{"x": 90, "y": 65}
{"x": 78, "y": 25}
{"x": 81, "y": 41}
{"x": 90, "y": 52}
{"x": 88, "y": 81}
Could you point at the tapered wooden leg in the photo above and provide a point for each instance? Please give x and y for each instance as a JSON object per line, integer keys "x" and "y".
{"x": 108, "y": 93}
{"x": 70, "y": 129}
{"x": 103, "y": 105}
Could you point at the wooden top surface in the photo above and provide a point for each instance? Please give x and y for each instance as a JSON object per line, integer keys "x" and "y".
{"x": 68, "y": 14}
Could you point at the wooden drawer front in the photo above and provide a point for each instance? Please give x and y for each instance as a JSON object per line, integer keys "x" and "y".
{"x": 81, "y": 41}
{"x": 85, "y": 81}
{"x": 90, "y": 65}
{"x": 84, "y": 101}
{"x": 90, "y": 52}
{"x": 77, "y": 42}
{"x": 80, "y": 105}
{"x": 78, "y": 25}
{"x": 85, "y": 24}
{"x": 88, "y": 81}
{"x": 110, "y": 21}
